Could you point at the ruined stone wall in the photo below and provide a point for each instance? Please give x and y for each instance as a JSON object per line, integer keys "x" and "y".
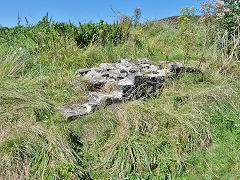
{"x": 129, "y": 81}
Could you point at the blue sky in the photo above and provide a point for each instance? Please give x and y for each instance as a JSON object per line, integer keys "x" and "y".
{"x": 87, "y": 10}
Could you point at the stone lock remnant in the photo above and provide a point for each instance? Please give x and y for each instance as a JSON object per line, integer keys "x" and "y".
{"x": 130, "y": 81}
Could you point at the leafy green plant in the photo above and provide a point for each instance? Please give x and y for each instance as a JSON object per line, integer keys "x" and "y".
{"x": 231, "y": 15}
{"x": 186, "y": 21}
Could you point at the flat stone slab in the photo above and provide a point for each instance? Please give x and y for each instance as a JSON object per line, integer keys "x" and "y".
{"x": 74, "y": 111}
{"x": 105, "y": 98}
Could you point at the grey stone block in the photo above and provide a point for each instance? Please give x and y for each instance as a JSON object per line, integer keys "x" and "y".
{"x": 75, "y": 111}
{"x": 105, "y": 98}
{"x": 126, "y": 86}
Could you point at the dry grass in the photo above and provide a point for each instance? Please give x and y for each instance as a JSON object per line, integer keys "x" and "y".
{"x": 160, "y": 137}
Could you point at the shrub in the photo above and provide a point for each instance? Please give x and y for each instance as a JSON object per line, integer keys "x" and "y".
{"x": 231, "y": 16}
{"x": 41, "y": 36}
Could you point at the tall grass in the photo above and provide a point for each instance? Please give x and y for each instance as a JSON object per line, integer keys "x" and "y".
{"x": 190, "y": 130}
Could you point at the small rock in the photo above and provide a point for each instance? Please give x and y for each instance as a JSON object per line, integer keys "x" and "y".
{"x": 116, "y": 74}
{"x": 143, "y": 61}
{"x": 95, "y": 78}
{"x": 93, "y": 74}
{"x": 105, "y": 98}
{"x": 175, "y": 66}
{"x": 164, "y": 72}
{"x": 81, "y": 72}
{"x": 109, "y": 86}
{"x": 148, "y": 68}
{"x": 126, "y": 86}
{"x": 126, "y": 82}
{"x": 163, "y": 64}
{"x": 127, "y": 63}
{"x": 107, "y": 66}
{"x": 190, "y": 69}
{"x": 98, "y": 70}
{"x": 74, "y": 111}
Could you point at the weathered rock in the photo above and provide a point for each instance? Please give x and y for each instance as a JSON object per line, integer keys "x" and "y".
{"x": 127, "y": 63}
{"x": 105, "y": 98}
{"x": 162, "y": 62}
{"x": 149, "y": 68}
{"x": 122, "y": 81}
{"x": 126, "y": 86}
{"x": 164, "y": 72}
{"x": 81, "y": 72}
{"x": 107, "y": 66}
{"x": 143, "y": 61}
{"x": 175, "y": 66}
{"x": 190, "y": 69}
{"x": 95, "y": 78}
{"x": 98, "y": 70}
{"x": 75, "y": 111}
{"x": 148, "y": 84}
{"x": 115, "y": 74}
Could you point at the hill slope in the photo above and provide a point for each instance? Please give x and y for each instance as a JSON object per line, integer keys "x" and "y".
{"x": 190, "y": 130}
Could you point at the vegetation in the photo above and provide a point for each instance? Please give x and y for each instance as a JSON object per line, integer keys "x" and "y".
{"x": 191, "y": 130}
{"x": 232, "y": 12}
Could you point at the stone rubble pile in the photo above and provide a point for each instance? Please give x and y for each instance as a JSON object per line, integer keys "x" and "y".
{"x": 129, "y": 81}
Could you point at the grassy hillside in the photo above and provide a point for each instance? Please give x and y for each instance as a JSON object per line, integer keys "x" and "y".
{"x": 191, "y": 130}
